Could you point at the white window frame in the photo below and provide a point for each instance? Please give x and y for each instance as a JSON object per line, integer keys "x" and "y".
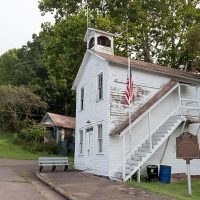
{"x": 100, "y": 138}
{"x": 100, "y": 86}
{"x": 82, "y": 98}
{"x": 81, "y": 142}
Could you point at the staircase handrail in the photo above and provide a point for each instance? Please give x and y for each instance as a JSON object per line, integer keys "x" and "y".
{"x": 150, "y": 109}
{"x": 154, "y": 130}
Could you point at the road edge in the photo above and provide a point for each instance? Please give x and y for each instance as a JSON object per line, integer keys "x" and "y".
{"x": 54, "y": 187}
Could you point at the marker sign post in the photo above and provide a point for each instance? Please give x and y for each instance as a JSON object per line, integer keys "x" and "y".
{"x": 187, "y": 148}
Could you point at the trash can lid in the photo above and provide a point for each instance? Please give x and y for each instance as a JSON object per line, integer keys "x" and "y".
{"x": 152, "y": 166}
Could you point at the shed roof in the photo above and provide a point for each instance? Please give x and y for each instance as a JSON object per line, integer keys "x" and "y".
{"x": 124, "y": 124}
{"x": 60, "y": 120}
{"x": 176, "y": 74}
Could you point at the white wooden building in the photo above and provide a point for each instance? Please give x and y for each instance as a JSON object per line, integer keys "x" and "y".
{"x": 164, "y": 97}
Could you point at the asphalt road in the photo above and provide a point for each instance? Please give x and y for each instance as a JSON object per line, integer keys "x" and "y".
{"x": 18, "y": 182}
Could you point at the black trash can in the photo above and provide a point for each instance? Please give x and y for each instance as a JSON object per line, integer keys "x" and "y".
{"x": 152, "y": 172}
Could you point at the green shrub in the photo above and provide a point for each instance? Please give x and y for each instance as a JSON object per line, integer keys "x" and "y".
{"x": 32, "y": 139}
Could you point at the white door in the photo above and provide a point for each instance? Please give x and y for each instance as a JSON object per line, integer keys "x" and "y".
{"x": 89, "y": 150}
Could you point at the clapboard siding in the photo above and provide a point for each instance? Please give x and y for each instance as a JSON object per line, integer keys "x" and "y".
{"x": 95, "y": 112}
{"x": 145, "y": 86}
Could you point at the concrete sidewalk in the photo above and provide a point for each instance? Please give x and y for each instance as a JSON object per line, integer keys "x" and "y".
{"x": 75, "y": 185}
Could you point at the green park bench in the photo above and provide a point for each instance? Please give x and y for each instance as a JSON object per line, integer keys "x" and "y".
{"x": 53, "y": 161}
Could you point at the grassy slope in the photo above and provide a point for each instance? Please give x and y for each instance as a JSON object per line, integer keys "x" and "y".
{"x": 175, "y": 190}
{"x": 12, "y": 151}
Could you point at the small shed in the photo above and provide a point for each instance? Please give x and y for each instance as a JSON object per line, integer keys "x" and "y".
{"x": 60, "y": 128}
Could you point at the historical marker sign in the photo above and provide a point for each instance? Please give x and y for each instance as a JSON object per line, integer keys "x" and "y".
{"x": 187, "y": 146}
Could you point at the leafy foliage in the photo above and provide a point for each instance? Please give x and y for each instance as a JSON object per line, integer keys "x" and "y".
{"x": 17, "y": 105}
{"x": 163, "y": 32}
{"x": 151, "y": 30}
{"x": 192, "y": 46}
{"x": 32, "y": 139}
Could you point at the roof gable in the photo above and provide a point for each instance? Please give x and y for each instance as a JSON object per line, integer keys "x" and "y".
{"x": 60, "y": 120}
{"x": 82, "y": 67}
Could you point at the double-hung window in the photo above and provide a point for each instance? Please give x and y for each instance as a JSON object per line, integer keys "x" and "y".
{"x": 81, "y": 142}
{"x": 82, "y": 98}
{"x": 100, "y": 86}
{"x": 100, "y": 138}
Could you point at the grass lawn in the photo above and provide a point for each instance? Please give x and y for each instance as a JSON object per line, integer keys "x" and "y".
{"x": 12, "y": 151}
{"x": 175, "y": 190}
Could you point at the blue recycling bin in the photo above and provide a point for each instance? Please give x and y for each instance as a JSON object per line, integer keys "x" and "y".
{"x": 165, "y": 174}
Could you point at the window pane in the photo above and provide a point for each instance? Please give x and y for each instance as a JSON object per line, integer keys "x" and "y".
{"x": 81, "y": 142}
{"x": 82, "y": 98}
{"x": 82, "y": 93}
{"x": 81, "y": 136}
{"x": 100, "y": 86}
{"x": 100, "y": 146}
{"x": 100, "y": 80}
{"x": 100, "y": 131}
{"x": 100, "y": 138}
{"x": 100, "y": 93}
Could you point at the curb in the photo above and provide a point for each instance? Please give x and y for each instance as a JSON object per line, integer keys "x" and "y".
{"x": 55, "y": 188}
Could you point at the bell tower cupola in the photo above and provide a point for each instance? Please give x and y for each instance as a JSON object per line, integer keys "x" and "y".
{"x": 99, "y": 41}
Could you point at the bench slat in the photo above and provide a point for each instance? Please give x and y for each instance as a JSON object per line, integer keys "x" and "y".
{"x": 44, "y": 164}
{"x": 53, "y": 161}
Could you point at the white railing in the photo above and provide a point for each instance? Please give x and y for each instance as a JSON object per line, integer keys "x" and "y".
{"x": 177, "y": 110}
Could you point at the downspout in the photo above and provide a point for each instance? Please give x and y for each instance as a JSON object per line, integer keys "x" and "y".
{"x": 163, "y": 154}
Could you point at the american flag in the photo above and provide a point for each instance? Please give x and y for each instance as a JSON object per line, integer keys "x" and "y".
{"x": 129, "y": 86}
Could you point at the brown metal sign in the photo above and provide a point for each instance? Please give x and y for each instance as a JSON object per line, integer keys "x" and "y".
{"x": 187, "y": 146}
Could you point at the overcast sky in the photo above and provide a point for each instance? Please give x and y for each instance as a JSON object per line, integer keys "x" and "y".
{"x": 19, "y": 19}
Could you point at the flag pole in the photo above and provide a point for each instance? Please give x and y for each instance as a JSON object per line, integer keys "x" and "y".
{"x": 129, "y": 106}
{"x": 87, "y": 13}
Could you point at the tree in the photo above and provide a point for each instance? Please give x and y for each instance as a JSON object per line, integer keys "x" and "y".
{"x": 192, "y": 47}
{"x": 18, "y": 104}
{"x": 63, "y": 52}
{"x": 8, "y": 62}
{"x": 151, "y": 30}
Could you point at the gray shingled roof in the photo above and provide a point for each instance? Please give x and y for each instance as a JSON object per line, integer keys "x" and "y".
{"x": 61, "y": 120}
{"x": 176, "y": 74}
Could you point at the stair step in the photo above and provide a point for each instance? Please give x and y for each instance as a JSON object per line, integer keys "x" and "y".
{"x": 145, "y": 145}
{"x": 162, "y": 134}
{"x": 140, "y": 153}
{"x": 118, "y": 175}
{"x": 154, "y": 142}
{"x": 137, "y": 158}
{"x": 156, "y": 138}
{"x": 166, "y": 127}
{"x": 134, "y": 162}
{"x": 161, "y": 131}
{"x": 144, "y": 149}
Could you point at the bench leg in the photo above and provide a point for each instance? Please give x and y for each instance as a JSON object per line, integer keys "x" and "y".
{"x": 41, "y": 168}
{"x": 53, "y": 168}
{"x": 66, "y": 168}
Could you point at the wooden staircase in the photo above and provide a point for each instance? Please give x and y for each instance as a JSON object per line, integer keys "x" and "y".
{"x": 135, "y": 157}
{"x": 143, "y": 152}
